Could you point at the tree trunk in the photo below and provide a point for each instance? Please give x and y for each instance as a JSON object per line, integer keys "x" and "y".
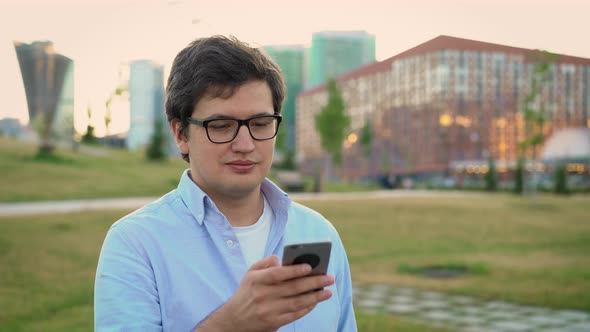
{"x": 317, "y": 177}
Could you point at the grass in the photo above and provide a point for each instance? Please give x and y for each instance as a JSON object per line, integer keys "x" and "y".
{"x": 47, "y": 266}
{"x": 95, "y": 173}
{"x": 536, "y": 256}
{"x": 510, "y": 251}
{"x": 382, "y": 322}
{"x": 532, "y": 255}
{"x": 339, "y": 187}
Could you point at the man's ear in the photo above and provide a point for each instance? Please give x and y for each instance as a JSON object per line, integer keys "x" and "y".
{"x": 181, "y": 140}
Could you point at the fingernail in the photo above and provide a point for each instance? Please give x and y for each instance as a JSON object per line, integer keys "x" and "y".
{"x": 305, "y": 268}
{"x": 329, "y": 279}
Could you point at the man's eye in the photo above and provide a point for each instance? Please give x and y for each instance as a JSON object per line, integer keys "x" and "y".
{"x": 262, "y": 122}
{"x": 220, "y": 125}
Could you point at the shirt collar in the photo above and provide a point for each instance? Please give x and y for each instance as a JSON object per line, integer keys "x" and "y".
{"x": 193, "y": 197}
{"x": 277, "y": 198}
{"x": 196, "y": 199}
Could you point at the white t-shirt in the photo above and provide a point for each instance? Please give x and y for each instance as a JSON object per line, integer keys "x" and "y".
{"x": 253, "y": 238}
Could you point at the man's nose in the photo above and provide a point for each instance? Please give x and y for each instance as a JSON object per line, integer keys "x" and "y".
{"x": 243, "y": 140}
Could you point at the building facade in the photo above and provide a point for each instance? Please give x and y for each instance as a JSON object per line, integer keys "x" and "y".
{"x": 146, "y": 102}
{"x": 334, "y": 53}
{"x": 48, "y": 79}
{"x": 445, "y": 104}
{"x": 64, "y": 117}
{"x": 292, "y": 61}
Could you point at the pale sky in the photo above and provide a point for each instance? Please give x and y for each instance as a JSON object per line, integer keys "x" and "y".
{"x": 99, "y": 35}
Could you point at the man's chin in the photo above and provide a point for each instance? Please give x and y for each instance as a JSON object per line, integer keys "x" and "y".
{"x": 241, "y": 187}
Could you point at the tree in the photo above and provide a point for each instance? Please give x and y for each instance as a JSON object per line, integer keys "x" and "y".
{"x": 119, "y": 91}
{"x": 331, "y": 123}
{"x": 366, "y": 142}
{"x": 519, "y": 177}
{"x": 108, "y": 117}
{"x": 560, "y": 180}
{"x": 42, "y": 124}
{"x": 535, "y": 115}
{"x": 367, "y": 138}
{"x": 89, "y": 137}
{"x": 491, "y": 177}
{"x": 156, "y": 148}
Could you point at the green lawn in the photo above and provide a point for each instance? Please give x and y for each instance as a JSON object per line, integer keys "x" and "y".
{"x": 47, "y": 266}
{"x": 101, "y": 173}
{"x": 536, "y": 255}
{"x": 95, "y": 172}
{"x": 527, "y": 255}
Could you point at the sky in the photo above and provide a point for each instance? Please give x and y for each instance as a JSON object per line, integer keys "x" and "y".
{"x": 101, "y": 35}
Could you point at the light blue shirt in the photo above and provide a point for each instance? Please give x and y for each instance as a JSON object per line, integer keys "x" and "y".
{"x": 168, "y": 265}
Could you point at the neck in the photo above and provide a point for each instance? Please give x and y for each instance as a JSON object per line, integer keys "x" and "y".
{"x": 241, "y": 211}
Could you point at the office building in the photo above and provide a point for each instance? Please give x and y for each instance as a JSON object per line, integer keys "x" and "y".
{"x": 334, "y": 53}
{"x": 445, "y": 106}
{"x": 48, "y": 79}
{"x": 291, "y": 59}
{"x": 146, "y": 99}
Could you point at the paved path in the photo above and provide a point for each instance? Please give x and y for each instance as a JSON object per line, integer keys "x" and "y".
{"x": 32, "y": 208}
{"x": 463, "y": 313}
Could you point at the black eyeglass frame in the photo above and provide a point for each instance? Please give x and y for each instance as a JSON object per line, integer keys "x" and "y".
{"x": 241, "y": 122}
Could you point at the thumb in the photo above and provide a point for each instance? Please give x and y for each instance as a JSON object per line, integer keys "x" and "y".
{"x": 266, "y": 262}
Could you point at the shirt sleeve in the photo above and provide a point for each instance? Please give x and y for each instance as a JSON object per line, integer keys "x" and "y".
{"x": 125, "y": 292}
{"x": 347, "y": 321}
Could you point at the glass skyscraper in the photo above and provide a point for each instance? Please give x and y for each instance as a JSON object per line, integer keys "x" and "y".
{"x": 336, "y": 52}
{"x": 291, "y": 59}
{"x": 48, "y": 79}
{"x": 146, "y": 93}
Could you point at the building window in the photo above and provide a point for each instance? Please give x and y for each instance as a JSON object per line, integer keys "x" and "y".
{"x": 516, "y": 80}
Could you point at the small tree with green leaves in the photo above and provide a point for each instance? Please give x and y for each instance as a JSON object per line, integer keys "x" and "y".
{"x": 332, "y": 123}
{"x": 119, "y": 91}
{"x": 89, "y": 137}
{"x": 535, "y": 114}
{"x": 560, "y": 180}
{"x": 491, "y": 177}
{"x": 156, "y": 148}
{"x": 367, "y": 138}
{"x": 519, "y": 177}
{"x": 366, "y": 141}
{"x": 39, "y": 125}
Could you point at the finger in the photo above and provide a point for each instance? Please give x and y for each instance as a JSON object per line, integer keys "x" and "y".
{"x": 266, "y": 262}
{"x": 305, "y": 285}
{"x": 298, "y": 302}
{"x": 297, "y": 306}
{"x": 280, "y": 274}
{"x": 289, "y": 317}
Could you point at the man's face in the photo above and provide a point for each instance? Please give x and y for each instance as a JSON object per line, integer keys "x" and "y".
{"x": 236, "y": 168}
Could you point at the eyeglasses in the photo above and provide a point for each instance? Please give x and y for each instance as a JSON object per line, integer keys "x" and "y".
{"x": 261, "y": 127}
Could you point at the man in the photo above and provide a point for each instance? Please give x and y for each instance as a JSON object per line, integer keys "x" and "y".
{"x": 205, "y": 257}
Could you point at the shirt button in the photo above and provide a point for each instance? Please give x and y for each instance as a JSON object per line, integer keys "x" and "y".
{"x": 229, "y": 243}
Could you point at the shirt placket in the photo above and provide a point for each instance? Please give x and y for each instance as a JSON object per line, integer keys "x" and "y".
{"x": 228, "y": 245}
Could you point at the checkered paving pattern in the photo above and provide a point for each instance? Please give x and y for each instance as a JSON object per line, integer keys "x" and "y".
{"x": 463, "y": 313}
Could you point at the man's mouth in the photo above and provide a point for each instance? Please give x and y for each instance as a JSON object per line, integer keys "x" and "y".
{"x": 241, "y": 166}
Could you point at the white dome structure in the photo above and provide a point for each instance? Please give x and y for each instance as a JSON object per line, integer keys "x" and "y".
{"x": 571, "y": 143}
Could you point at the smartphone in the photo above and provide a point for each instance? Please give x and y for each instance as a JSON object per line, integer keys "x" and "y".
{"x": 316, "y": 254}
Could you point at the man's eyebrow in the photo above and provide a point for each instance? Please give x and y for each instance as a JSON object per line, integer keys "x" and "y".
{"x": 227, "y": 117}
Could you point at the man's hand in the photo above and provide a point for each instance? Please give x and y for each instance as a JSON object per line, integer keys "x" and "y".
{"x": 270, "y": 296}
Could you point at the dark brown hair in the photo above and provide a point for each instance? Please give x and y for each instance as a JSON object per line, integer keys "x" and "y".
{"x": 216, "y": 66}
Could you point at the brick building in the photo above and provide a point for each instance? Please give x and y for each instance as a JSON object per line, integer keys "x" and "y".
{"x": 445, "y": 104}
